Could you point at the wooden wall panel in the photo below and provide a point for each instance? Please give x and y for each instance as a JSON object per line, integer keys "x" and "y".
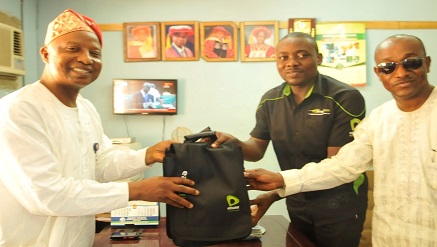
{"x": 369, "y": 25}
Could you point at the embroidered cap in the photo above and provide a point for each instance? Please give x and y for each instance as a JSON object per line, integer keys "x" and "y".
{"x": 181, "y": 29}
{"x": 221, "y": 29}
{"x": 140, "y": 30}
{"x": 262, "y": 29}
{"x": 70, "y": 21}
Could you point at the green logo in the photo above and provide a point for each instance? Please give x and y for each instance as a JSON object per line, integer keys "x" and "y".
{"x": 354, "y": 122}
{"x": 232, "y": 200}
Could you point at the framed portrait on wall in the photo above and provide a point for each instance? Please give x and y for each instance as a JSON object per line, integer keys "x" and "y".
{"x": 180, "y": 41}
{"x": 141, "y": 41}
{"x": 218, "y": 41}
{"x": 258, "y": 40}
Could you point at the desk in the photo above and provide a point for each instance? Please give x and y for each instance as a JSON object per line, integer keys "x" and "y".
{"x": 279, "y": 233}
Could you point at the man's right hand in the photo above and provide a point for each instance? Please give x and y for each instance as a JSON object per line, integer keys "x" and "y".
{"x": 163, "y": 189}
{"x": 261, "y": 204}
{"x": 262, "y": 179}
{"x": 222, "y": 138}
{"x": 253, "y": 149}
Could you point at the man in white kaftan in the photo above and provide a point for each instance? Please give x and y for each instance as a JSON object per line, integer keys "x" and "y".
{"x": 405, "y": 192}
{"x": 56, "y": 162}
{"x": 56, "y": 138}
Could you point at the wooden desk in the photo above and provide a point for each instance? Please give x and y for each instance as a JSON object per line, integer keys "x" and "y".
{"x": 279, "y": 233}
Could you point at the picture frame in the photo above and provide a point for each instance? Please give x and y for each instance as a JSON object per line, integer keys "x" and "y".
{"x": 219, "y": 41}
{"x": 142, "y": 41}
{"x": 180, "y": 41}
{"x": 258, "y": 40}
{"x": 305, "y": 25}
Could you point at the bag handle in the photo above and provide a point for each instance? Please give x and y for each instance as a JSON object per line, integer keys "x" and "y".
{"x": 206, "y": 133}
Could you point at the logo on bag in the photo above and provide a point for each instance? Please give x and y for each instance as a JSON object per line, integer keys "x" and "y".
{"x": 233, "y": 203}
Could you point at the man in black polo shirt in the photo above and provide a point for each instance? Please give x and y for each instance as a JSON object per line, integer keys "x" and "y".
{"x": 308, "y": 118}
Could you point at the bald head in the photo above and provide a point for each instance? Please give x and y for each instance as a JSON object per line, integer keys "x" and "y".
{"x": 390, "y": 41}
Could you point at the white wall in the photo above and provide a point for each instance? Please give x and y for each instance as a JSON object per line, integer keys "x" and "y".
{"x": 223, "y": 95}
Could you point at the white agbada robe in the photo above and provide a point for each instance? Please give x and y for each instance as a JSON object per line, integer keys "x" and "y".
{"x": 52, "y": 181}
{"x": 401, "y": 146}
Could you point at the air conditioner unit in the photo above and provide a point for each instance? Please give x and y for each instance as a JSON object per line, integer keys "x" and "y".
{"x": 11, "y": 51}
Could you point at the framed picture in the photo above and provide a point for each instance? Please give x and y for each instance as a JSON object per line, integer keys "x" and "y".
{"x": 307, "y": 25}
{"x": 141, "y": 41}
{"x": 180, "y": 41}
{"x": 258, "y": 40}
{"x": 219, "y": 41}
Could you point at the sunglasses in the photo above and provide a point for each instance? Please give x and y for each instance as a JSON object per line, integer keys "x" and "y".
{"x": 411, "y": 63}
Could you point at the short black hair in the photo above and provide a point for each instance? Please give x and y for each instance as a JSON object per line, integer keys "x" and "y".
{"x": 303, "y": 36}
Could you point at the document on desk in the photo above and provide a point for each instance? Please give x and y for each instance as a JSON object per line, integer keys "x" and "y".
{"x": 137, "y": 213}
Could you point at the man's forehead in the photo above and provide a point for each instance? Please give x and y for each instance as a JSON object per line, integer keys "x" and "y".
{"x": 77, "y": 37}
{"x": 401, "y": 41}
{"x": 395, "y": 44}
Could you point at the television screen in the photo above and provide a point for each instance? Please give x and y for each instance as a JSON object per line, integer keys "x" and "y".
{"x": 145, "y": 96}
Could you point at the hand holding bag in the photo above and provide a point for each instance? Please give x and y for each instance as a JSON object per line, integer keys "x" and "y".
{"x": 222, "y": 209}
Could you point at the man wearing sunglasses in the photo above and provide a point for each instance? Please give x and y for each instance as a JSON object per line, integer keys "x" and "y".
{"x": 399, "y": 139}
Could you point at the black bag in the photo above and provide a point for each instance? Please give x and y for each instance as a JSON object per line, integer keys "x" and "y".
{"x": 222, "y": 210}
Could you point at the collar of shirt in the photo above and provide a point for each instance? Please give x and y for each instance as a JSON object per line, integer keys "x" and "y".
{"x": 316, "y": 88}
{"x": 178, "y": 49}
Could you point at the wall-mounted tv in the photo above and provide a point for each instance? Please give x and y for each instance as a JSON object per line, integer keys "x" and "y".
{"x": 144, "y": 96}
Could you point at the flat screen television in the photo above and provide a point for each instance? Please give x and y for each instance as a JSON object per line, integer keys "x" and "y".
{"x": 144, "y": 96}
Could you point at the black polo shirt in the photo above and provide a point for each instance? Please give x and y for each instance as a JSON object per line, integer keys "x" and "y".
{"x": 302, "y": 133}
